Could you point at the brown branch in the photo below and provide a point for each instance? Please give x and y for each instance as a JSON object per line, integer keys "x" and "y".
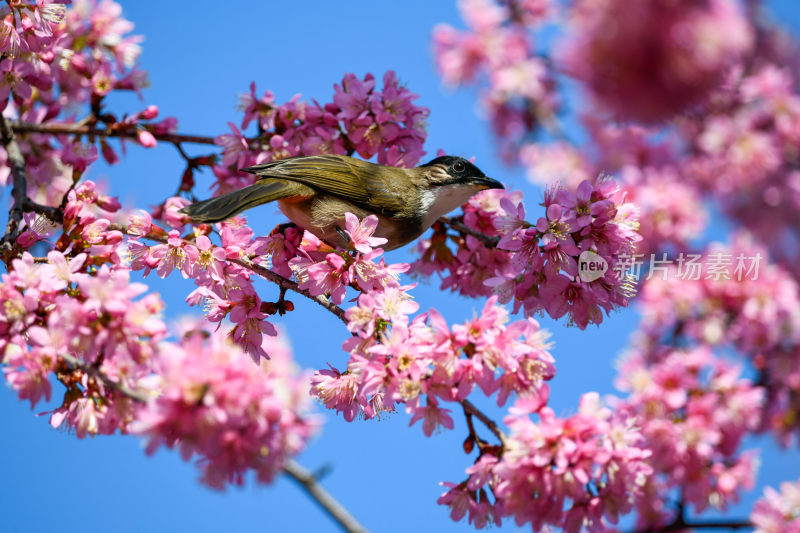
{"x": 20, "y": 193}
{"x": 285, "y": 283}
{"x": 681, "y": 525}
{"x": 471, "y": 428}
{"x": 335, "y": 509}
{"x": 470, "y": 408}
{"x": 487, "y": 240}
{"x": 135, "y": 395}
{"x": 127, "y": 133}
{"x": 52, "y": 213}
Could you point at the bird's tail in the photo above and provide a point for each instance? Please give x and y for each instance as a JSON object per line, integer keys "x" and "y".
{"x": 227, "y": 205}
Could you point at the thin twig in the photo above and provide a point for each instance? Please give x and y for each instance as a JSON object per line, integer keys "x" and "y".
{"x": 470, "y": 408}
{"x": 335, "y": 509}
{"x": 471, "y": 427}
{"x": 488, "y": 241}
{"x": 128, "y": 132}
{"x": 181, "y": 151}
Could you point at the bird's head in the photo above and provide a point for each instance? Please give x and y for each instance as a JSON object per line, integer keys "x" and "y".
{"x": 450, "y": 182}
{"x": 448, "y": 170}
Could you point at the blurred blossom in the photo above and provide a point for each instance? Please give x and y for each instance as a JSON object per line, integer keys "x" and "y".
{"x": 651, "y": 60}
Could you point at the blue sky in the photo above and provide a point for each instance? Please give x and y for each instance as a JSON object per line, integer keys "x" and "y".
{"x": 200, "y": 56}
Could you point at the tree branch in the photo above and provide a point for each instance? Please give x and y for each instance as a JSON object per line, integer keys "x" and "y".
{"x": 20, "y": 192}
{"x": 135, "y": 395}
{"x": 470, "y": 408}
{"x": 285, "y": 283}
{"x": 127, "y": 132}
{"x": 335, "y": 509}
{"x": 709, "y": 524}
{"x": 680, "y": 523}
{"x": 453, "y": 222}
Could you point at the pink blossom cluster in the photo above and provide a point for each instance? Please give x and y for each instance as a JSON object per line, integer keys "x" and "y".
{"x": 694, "y": 410}
{"x": 742, "y": 153}
{"x": 759, "y": 316}
{"x": 778, "y": 512}
{"x": 498, "y": 48}
{"x": 225, "y": 288}
{"x": 236, "y": 416}
{"x": 537, "y": 265}
{"x": 71, "y": 57}
{"x": 398, "y": 360}
{"x": 324, "y": 271}
{"x": 78, "y": 301}
{"x": 361, "y": 119}
{"x": 206, "y": 396}
{"x": 661, "y": 57}
{"x": 576, "y": 473}
{"x": 672, "y": 211}
{"x": 58, "y": 307}
{"x": 76, "y": 316}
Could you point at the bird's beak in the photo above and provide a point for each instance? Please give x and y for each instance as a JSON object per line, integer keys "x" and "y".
{"x": 487, "y": 183}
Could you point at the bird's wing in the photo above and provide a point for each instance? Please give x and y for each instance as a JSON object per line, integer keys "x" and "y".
{"x": 364, "y": 184}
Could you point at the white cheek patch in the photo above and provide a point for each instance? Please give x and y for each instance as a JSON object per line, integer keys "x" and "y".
{"x": 426, "y": 200}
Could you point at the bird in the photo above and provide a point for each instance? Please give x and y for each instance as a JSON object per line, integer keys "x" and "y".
{"x": 316, "y": 191}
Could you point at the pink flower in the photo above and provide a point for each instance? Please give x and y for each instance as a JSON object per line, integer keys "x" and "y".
{"x": 336, "y": 391}
{"x": 38, "y": 228}
{"x": 78, "y": 155}
{"x": 140, "y": 224}
{"x": 95, "y": 233}
{"x": 778, "y": 512}
{"x": 175, "y": 254}
{"x": 234, "y": 147}
{"x": 103, "y": 80}
{"x": 329, "y": 276}
{"x": 250, "y": 322}
{"x": 210, "y": 258}
{"x": 433, "y": 417}
{"x": 29, "y": 375}
{"x": 352, "y": 96}
{"x": 170, "y": 212}
{"x": 260, "y": 109}
{"x": 556, "y": 230}
{"x": 62, "y": 271}
{"x": 360, "y": 232}
{"x": 13, "y": 73}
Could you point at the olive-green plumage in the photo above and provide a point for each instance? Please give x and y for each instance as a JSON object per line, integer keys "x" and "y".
{"x": 225, "y": 206}
{"x": 315, "y": 192}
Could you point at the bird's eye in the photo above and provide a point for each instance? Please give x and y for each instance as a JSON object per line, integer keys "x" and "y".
{"x": 458, "y": 166}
